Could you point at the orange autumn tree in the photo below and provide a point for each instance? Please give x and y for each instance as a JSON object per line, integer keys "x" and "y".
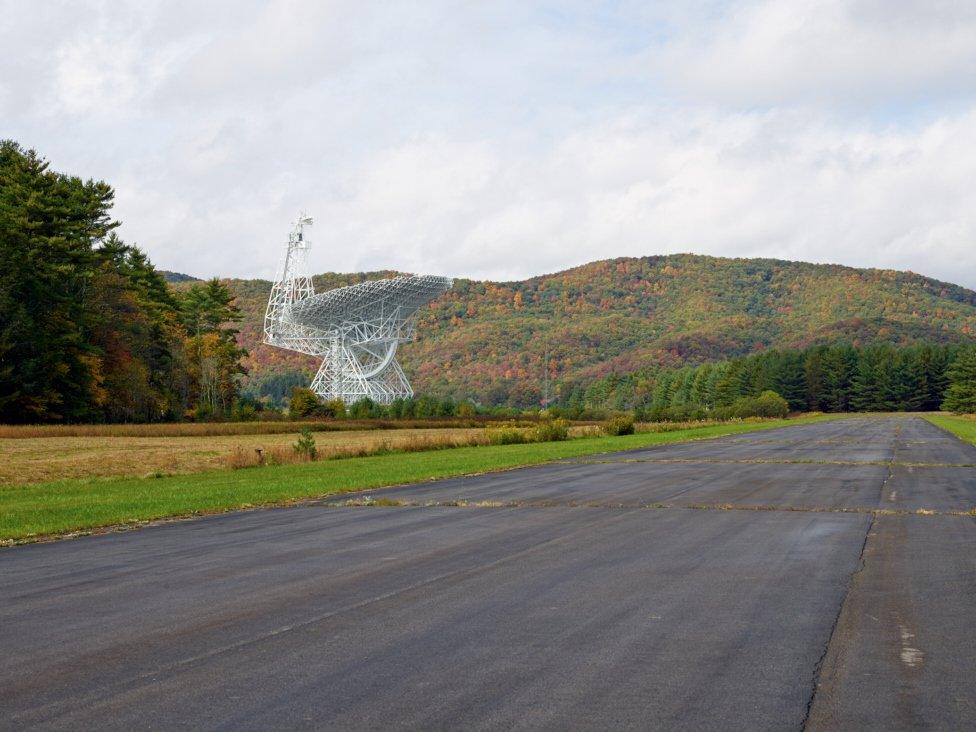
{"x": 213, "y": 356}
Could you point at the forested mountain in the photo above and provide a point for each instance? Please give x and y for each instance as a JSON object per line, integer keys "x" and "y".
{"x": 487, "y": 340}
{"x": 176, "y": 276}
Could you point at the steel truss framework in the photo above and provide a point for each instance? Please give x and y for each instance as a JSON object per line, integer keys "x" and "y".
{"x": 356, "y": 329}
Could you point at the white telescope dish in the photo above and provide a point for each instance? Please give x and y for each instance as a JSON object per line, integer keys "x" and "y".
{"x": 356, "y": 329}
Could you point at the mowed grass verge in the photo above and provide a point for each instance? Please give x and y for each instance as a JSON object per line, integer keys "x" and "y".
{"x": 962, "y": 427}
{"x": 29, "y": 512}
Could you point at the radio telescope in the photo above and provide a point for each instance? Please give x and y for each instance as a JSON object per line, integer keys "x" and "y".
{"x": 356, "y": 329}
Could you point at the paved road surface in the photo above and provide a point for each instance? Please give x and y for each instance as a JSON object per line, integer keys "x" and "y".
{"x": 634, "y": 590}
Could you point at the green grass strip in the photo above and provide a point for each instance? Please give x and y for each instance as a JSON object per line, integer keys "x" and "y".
{"x": 962, "y": 427}
{"x": 44, "y": 509}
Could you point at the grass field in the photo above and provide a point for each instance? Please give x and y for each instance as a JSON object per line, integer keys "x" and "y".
{"x": 213, "y": 429}
{"x": 31, "y": 511}
{"x": 66, "y": 451}
{"x": 963, "y": 427}
{"x": 55, "y": 458}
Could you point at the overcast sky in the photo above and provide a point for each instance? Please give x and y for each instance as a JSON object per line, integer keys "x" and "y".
{"x": 505, "y": 139}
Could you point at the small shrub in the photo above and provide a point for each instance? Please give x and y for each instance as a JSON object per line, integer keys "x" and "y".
{"x": 506, "y": 435}
{"x": 303, "y": 403}
{"x": 767, "y": 404}
{"x": 305, "y": 447}
{"x": 334, "y": 408}
{"x": 744, "y": 407}
{"x": 724, "y": 413}
{"x": 245, "y": 413}
{"x": 246, "y": 409}
{"x": 771, "y": 404}
{"x": 554, "y": 430}
{"x": 365, "y": 408}
{"x": 681, "y": 413}
{"x": 619, "y": 426}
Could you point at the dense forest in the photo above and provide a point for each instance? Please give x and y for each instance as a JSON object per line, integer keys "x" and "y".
{"x": 89, "y": 330}
{"x": 839, "y": 378}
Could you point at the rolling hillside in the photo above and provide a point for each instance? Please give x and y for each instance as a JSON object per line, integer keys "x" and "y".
{"x": 487, "y": 340}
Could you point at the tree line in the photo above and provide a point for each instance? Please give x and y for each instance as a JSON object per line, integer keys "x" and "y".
{"x": 306, "y": 403}
{"x": 837, "y": 378}
{"x": 89, "y": 330}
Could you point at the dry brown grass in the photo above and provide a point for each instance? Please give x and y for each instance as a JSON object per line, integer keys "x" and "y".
{"x": 215, "y": 429}
{"x": 53, "y": 458}
{"x": 33, "y": 454}
{"x": 242, "y": 458}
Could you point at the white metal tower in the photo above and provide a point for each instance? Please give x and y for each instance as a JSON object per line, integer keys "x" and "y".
{"x": 356, "y": 329}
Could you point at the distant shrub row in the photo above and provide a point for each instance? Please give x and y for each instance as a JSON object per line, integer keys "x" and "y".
{"x": 768, "y": 404}
{"x": 619, "y": 426}
{"x": 306, "y": 403}
{"x": 554, "y": 430}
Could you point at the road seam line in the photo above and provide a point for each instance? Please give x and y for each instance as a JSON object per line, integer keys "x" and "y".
{"x": 851, "y": 581}
{"x": 366, "y": 502}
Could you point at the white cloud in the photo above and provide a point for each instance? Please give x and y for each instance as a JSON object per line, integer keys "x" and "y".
{"x": 811, "y": 51}
{"x": 510, "y": 139}
{"x": 750, "y": 184}
{"x": 94, "y": 76}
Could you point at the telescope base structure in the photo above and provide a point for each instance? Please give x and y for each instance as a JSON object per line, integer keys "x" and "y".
{"x": 356, "y": 329}
{"x": 345, "y": 374}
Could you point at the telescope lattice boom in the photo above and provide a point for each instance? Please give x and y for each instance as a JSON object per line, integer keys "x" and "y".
{"x": 356, "y": 329}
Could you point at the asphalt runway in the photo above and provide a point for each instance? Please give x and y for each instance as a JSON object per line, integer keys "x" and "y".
{"x": 819, "y": 576}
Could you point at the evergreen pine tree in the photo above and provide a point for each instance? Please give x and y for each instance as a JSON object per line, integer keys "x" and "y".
{"x": 700, "y": 393}
{"x": 729, "y": 386}
{"x": 960, "y": 395}
{"x": 902, "y": 387}
{"x": 840, "y": 368}
{"x": 916, "y": 364}
{"x": 865, "y": 391}
{"x": 814, "y": 378}
{"x": 49, "y": 224}
{"x": 938, "y": 377}
{"x": 682, "y": 387}
{"x": 790, "y": 380}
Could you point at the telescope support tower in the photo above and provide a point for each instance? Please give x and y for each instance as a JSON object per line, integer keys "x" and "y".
{"x": 356, "y": 330}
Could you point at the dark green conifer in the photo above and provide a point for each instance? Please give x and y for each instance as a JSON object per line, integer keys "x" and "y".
{"x": 961, "y": 392}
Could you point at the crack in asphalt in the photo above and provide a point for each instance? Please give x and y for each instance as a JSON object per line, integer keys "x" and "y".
{"x": 851, "y": 581}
